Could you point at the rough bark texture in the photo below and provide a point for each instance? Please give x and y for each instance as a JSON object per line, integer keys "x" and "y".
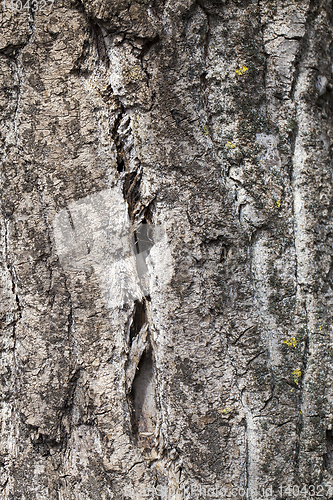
{"x": 209, "y": 124}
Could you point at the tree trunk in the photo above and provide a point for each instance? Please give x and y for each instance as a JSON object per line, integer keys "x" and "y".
{"x": 166, "y": 249}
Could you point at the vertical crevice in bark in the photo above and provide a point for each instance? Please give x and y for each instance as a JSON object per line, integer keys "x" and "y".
{"x": 121, "y": 165}
{"x": 140, "y": 380}
{"x": 18, "y": 312}
{"x": 139, "y": 366}
{"x": 131, "y": 192}
{"x": 247, "y": 457}
{"x": 142, "y": 396}
{"x": 293, "y": 133}
{"x": 67, "y": 408}
{"x": 17, "y": 109}
{"x": 100, "y": 45}
{"x": 328, "y": 457}
{"x": 142, "y": 242}
{"x": 138, "y": 319}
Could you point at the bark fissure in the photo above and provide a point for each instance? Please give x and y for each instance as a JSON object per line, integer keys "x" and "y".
{"x": 140, "y": 380}
{"x": 328, "y": 457}
{"x": 17, "y": 109}
{"x": 14, "y": 281}
{"x": 121, "y": 165}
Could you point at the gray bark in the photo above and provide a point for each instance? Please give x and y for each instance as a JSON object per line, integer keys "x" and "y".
{"x": 166, "y": 249}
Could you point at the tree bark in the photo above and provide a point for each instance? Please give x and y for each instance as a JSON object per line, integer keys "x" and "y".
{"x": 166, "y": 249}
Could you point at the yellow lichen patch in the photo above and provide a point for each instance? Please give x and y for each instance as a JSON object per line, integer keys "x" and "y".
{"x": 230, "y": 145}
{"x": 242, "y": 70}
{"x": 131, "y": 74}
{"x": 226, "y": 411}
{"x": 206, "y": 130}
{"x": 297, "y": 375}
{"x": 291, "y": 342}
{"x": 278, "y": 203}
